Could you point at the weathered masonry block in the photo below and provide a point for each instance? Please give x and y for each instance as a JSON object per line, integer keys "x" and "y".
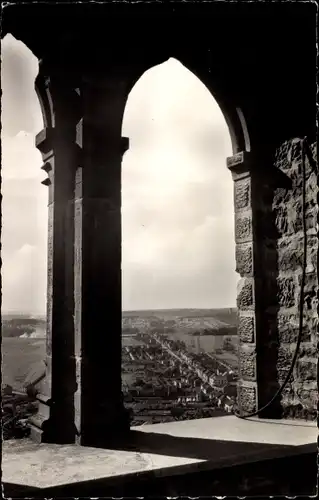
{"x": 243, "y": 227}
{"x": 242, "y": 194}
{"x": 246, "y": 329}
{"x": 288, "y": 328}
{"x": 247, "y": 396}
{"x": 286, "y": 291}
{"x": 244, "y": 259}
{"x": 245, "y": 294}
{"x": 247, "y": 362}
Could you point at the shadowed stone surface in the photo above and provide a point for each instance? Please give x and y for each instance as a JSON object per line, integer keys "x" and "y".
{"x": 166, "y": 449}
{"x": 247, "y": 362}
{"x": 286, "y": 292}
{"x": 247, "y": 397}
{"x": 288, "y": 328}
{"x": 242, "y": 194}
{"x": 244, "y": 259}
{"x": 243, "y": 228}
{"x": 245, "y": 298}
{"x": 298, "y": 401}
{"x": 307, "y": 370}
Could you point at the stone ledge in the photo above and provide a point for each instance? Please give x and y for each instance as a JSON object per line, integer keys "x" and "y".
{"x": 160, "y": 450}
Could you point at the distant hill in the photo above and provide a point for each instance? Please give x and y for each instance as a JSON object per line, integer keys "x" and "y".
{"x": 205, "y": 320}
{"x": 7, "y": 316}
{"x": 223, "y": 331}
{"x": 228, "y": 315}
{"x": 225, "y": 315}
{"x": 10, "y": 316}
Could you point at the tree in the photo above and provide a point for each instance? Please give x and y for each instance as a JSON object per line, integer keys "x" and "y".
{"x": 228, "y": 346}
{"x": 177, "y": 412}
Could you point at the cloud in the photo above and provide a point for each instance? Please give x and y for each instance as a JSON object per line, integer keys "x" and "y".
{"x": 177, "y": 196}
{"x": 177, "y": 211}
{"x": 24, "y": 245}
{"x": 20, "y": 106}
{"x": 22, "y": 280}
{"x": 20, "y": 158}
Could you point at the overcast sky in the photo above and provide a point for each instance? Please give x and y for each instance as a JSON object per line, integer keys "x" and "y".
{"x": 178, "y": 225}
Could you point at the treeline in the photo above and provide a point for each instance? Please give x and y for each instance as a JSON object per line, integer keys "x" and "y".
{"x": 23, "y": 322}
{"x": 129, "y": 330}
{"x": 16, "y": 327}
{"x": 223, "y": 314}
{"x": 16, "y": 331}
{"x": 229, "y": 330}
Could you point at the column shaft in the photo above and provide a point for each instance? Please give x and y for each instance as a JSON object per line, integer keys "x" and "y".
{"x": 99, "y": 412}
{"x": 54, "y": 421}
{"x": 246, "y": 290}
{"x": 257, "y": 295}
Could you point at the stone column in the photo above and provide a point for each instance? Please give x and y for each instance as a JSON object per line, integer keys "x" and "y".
{"x": 54, "y": 421}
{"x": 240, "y": 166}
{"x": 99, "y": 412}
{"x": 259, "y": 293}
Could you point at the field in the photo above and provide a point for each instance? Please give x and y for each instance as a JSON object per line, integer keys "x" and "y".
{"x": 18, "y": 355}
{"x": 229, "y": 357}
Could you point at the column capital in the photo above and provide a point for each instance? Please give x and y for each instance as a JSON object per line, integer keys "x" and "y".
{"x": 245, "y": 164}
{"x": 52, "y": 143}
{"x": 240, "y": 164}
{"x": 59, "y": 96}
{"x": 241, "y": 158}
{"x": 125, "y": 144}
{"x": 43, "y": 140}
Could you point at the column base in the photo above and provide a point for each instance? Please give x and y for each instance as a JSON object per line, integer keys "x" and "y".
{"x": 273, "y": 412}
{"x": 110, "y": 433}
{"x": 50, "y": 425}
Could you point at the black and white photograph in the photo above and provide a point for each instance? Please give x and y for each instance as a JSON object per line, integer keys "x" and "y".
{"x": 159, "y": 249}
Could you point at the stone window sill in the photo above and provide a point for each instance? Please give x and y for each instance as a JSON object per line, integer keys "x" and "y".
{"x": 161, "y": 449}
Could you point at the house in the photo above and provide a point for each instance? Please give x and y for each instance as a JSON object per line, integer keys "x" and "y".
{"x": 228, "y": 404}
{"x": 218, "y": 380}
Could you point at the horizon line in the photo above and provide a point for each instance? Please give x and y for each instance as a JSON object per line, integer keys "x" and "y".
{"x": 21, "y": 313}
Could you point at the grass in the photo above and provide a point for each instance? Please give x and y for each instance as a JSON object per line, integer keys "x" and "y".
{"x": 18, "y": 355}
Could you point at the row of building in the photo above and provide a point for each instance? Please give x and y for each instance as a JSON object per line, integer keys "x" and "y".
{"x": 208, "y": 369}
{"x": 159, "y": 372}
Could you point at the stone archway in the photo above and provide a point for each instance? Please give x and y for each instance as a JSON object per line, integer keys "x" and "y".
{"x": 84, "y": 95}
{"x": 177, "y": 208}
{"x": 83, "y": 117}
{"x": 173, "y": 178}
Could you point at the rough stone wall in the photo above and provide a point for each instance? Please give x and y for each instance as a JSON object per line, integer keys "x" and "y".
{"x": 299, "y": 399}
{"x": 269, "y": 257}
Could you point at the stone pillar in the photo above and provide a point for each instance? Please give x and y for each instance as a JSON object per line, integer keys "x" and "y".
{"x": 259, "y": 293}
{"x": 240, "y": 166}
{"x": 54, "y": 421}
{"x": 99, "y": 411}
